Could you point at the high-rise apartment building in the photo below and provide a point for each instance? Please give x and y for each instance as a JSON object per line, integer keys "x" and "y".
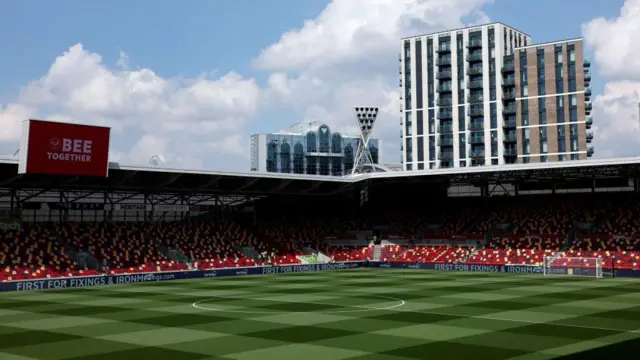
{"x": 486, "y": 95}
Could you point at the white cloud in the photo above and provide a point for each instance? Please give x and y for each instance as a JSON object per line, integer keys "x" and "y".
{"x": 614, "y": 42}
{"x": 616, "y": 122}
{"x": 350, "y": 32}
{"x": 347, "y": 56}
{"x": 149, "y": 115}
{"x": 616, "y": 53}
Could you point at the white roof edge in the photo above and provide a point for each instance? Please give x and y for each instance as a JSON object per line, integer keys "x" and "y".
{"x": 252, "y": 174}
{"x": 514, "y": 167}
{"x": 390, "y": 174}
{"x": 548, "y": 43}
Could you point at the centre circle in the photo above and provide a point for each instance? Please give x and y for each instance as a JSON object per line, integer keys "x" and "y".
{"x": 355, "y": 308}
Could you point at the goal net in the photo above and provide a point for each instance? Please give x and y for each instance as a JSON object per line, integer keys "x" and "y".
{"x": 573, "y": 266}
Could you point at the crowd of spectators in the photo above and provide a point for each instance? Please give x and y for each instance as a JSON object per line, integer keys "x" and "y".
{"x": 520, "y": 231}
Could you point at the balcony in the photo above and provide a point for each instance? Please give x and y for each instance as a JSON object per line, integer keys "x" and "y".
{"x": 509, "y": 124}
{"x": 509, "y": 95}
{"x": 444, "y": 115}
{"x": 509, "y": 82}
{"x": 586, "y": 63}
{"x": 590, "y": 151}
{"x": 444, "y": 102}
{"x": 444, "y": 88}
{"x": 589, "y": 136}
{"x": 443, "y": 75}
{"x": 476, "y": 125}
{"x": 443, "y": 61}
{"x": 476, "y": 111}
{"x": 474, "y": 99}
{"x": 587, "y": 78}
{"x": 476, "y": 140}
{"x": 445, "y": 142}
{"x": 476, "y": 84}
{"x": 475, "y": 154}
{"x": 509, "y": 110}
{"x": 510, "y": 138}
{"x": 474, "y": 44}
{"x": 476, "y": 70}
{"x": 589, "y": 122}
{"x": 445, "y": 129}
{"x": 444, "y": 48}
{"x": 588, "y": 106}
{"x": 510, "y": 152}
{"x": 587, "y": 92}
{"x": 474, "y": 57}
{"x": 508, "y": 68}
{"x": 445, "y": 155}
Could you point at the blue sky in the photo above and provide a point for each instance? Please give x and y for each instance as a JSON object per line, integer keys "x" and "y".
{"x": 189, "y": 49}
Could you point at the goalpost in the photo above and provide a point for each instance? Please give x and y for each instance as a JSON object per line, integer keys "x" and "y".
{"x": 573, "y": 266}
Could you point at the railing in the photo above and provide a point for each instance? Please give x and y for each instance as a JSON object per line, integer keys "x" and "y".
{"x": 508, "y": 67}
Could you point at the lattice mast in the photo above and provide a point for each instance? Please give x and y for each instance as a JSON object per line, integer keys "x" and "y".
{"x": 366, "y": 118}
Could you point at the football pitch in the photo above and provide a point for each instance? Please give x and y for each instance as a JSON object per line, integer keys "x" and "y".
{"x": 361, "y": 314}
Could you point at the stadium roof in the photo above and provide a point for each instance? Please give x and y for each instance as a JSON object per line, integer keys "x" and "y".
{"x": 153, "y": 179}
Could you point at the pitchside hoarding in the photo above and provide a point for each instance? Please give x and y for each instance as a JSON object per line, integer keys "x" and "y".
{"x": 56, "y": 148}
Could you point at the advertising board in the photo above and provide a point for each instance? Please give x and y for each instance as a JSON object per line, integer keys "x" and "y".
{"x": 88, "y": 281}
{"x": 55, "y": 148}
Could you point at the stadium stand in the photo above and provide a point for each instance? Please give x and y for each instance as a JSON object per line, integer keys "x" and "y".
{"x": 416, "y": 224}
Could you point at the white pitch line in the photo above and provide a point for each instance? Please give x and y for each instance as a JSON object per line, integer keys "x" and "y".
{"x": 355, "y": 308}
{"x": 397, "y": 308}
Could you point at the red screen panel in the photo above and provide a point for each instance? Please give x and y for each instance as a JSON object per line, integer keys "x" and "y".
{"x": 67, "y": 149}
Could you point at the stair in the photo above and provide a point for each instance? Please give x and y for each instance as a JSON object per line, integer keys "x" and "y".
{"x": 440, "y": 255}
{"x": 377, "y": 251}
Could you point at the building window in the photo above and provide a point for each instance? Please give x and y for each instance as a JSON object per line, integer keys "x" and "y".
{"x": 421, "y": 148}
{"x": 573, "y": 99}
{"x": 462, "y": 146}
{"x": 432, "y": 122}
{"x": 559, "y": 57}
{"x": 494, "y": 116}
{"x": 572, "y": 55}
{"x": 420, "y": 123}
{"x": 419, "y": 104}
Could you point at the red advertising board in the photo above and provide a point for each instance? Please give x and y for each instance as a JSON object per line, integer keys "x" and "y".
{"x": 66, "y": 149}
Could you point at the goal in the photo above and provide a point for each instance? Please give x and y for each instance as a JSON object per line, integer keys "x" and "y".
{"x": 573, "y": 266}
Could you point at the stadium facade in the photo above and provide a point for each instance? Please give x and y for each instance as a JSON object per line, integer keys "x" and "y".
{"x": 487, "y": 95}
{"x": 316, "y": 151}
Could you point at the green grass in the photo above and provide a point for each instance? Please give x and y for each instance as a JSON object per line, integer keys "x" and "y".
{"x": 355, "y": 314}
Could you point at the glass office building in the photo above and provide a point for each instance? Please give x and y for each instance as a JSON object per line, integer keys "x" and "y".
{"x": 317, "y": 151}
